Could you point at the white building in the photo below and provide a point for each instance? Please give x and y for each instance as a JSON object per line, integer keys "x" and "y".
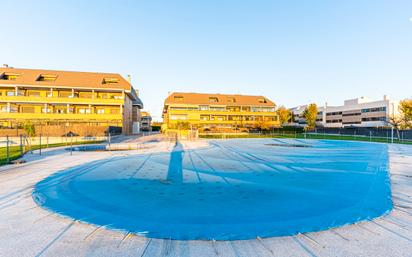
{"x": 359, "y": 112}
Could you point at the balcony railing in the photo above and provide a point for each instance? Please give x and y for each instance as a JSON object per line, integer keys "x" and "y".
{"x": 60, "y": 100}
{"x": 59, "y": 116}
{"x": 223, "y": 113}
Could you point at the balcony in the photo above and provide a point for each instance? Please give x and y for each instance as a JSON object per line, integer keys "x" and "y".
{"x": 224, "y": 113}
{"x": 61, "y": 116}
{"x": 60, "y": 100}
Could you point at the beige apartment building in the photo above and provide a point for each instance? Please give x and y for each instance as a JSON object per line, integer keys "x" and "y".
{"x": 358, "y": 112}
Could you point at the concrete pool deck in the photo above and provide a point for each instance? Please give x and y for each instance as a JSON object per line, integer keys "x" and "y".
{"x": 28, "y": 230}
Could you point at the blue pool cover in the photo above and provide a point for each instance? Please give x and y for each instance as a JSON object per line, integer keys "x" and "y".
{"x": 233, "y": 189}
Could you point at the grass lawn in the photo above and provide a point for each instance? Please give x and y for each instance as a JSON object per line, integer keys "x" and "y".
{"x": 308, "y": 136}
{"x": 14, "y": 151}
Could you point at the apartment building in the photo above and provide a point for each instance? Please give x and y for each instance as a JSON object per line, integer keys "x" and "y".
{"x": 210, "y": 111}
{"x": 146, "y": 122}
{"x": 358, "y": 112}
{"x": 66, "y": 97}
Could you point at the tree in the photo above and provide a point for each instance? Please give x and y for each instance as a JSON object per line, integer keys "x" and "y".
{"x": 261, "y": 125}
{"x": 396, "y": 121}
{"x": 405, "y": 108}
{"x": 285, "y": 115}
{"x": 30, "y": 130}
{"x": 310, "y": 114}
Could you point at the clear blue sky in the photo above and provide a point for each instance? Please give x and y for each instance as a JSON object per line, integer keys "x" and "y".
{"x": 293, "y": 52}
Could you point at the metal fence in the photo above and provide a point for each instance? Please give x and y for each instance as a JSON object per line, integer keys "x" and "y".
{"x": 368, "y": 132}
{"x": 13, "y": 147}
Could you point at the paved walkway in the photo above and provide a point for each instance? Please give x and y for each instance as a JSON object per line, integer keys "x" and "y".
{"x": 27, "y": 230}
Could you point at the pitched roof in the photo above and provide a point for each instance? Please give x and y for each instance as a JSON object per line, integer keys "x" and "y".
{"x": 68, "y": 79}
{"x": 222, "y": 99}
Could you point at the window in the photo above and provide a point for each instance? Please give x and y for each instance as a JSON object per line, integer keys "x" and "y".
{"x": 178, "y": 98}
{"x": 374, "y": 119}
{"x": 231, "y": 100}
{"x": 351, "y": 114}
{"x": 46, "y": 110}
{"x": 204, "y": 107}
{"x": 333, "y": 113}
{"x": 334, "y": 121}
{"x": 84, "y": 110}
{"x": 262, "y": 100}
{"x": 47, "y": 77}
{"x": 9, "y": 76}
{"x": 11, "y": 93}
{"x": 110, "y": 81}
{"x": 377, "y": 109}
{"x": 213, "y": 99}
{"x": 217, "y": 108}
{"x": 233, "y": 108}
{"x": 100, "y": 111}
{"x": 246, "y": 108}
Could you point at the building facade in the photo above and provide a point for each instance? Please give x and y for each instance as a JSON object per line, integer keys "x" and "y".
{"x": 358, "y": 112}
{"x": 146, "y": 122}
{"x": 218, "y": 111}
{"x": 65, "y": 97}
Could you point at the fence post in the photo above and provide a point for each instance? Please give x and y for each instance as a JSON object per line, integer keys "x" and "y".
{"x": 21, "y": 145}
{"x": 7, "y": 150}
{"x": 71, "y": 145}
{"x": 110, "y": 140}
{"x": 40, "y": 144}
{"x": 370, "y": 136}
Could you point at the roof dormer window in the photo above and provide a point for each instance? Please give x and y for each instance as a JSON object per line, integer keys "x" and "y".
{"x": 231, "y": 100}
{"x": 213, "y": 99}
{"x": 262, "y": 100}
{"x": 9, "y": 76}
{"x": 110, "y": 81}
{"x": 178, "y": 98}
{"x": 47, "y": 77}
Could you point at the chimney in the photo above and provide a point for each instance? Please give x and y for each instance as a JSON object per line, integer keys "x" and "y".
{"x": 129, "y": 78}
{"x": 385, "y": 97}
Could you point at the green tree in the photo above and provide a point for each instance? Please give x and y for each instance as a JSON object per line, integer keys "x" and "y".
{"x": 405, "y": 107}
{"x": 285, "y": 115}
{"x": 30, "y": 130}
{"x": 310, "y": 114}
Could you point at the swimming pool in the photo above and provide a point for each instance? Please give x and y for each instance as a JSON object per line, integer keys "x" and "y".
{"x": 232, "y": 189}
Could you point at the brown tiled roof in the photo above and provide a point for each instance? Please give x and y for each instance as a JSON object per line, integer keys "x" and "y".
{"x": 223, "y": 99}
{"x": 66, "y": 79}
